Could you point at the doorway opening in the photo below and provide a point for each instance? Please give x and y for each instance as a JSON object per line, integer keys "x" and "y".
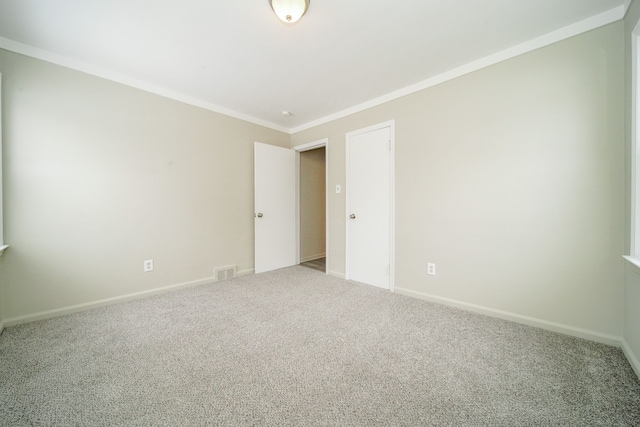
{"x": 311, "y": 211}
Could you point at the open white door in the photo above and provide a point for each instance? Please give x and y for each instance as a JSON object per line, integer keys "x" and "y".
{"x": 275, "y": 212}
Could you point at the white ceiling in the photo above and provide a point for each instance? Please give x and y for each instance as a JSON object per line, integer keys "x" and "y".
{"x": 237, "y": 58}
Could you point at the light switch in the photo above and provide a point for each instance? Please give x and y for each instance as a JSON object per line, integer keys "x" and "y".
{"x": 338, "y": 189}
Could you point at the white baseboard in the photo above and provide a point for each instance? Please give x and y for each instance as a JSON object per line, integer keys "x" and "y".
{"x": 312, "y": 257}
{"x": 631, "y": 357}
{"x": 531, "y": 321}
{"x": 107, "y": 301}
{"x": 336, "y": 274}
{"x": 245, "y": 272}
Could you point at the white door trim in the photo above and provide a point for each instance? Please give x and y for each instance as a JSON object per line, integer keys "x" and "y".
{"x": 392, "y": 202}
{"x": 299, "y": 149}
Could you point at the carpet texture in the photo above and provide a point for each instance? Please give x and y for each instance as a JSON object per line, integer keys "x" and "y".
{"x": 295, "y": 347}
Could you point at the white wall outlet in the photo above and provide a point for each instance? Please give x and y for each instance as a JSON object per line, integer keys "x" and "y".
{"x": 431, "y": 269}
{"x": 148, "y": 265}
{"x": 338, "y": 188}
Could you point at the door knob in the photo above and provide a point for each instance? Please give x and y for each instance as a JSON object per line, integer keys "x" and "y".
{"x": 352, "y": 216}
{"x": 259, "y": 215}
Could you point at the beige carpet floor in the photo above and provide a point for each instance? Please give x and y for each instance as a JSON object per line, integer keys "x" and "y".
{"x": 296, "y": 347}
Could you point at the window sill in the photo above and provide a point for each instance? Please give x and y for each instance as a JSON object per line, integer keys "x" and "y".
{"x": 633, "y": 260}
{"x": 3, "y": 248}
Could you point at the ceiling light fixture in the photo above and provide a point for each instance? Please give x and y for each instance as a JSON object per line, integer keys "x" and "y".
{"x": 289, "y": 11}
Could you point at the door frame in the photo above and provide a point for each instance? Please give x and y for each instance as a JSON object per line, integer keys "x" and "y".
{"x": 392, "y": 199}
{"x": 299, "y": 149}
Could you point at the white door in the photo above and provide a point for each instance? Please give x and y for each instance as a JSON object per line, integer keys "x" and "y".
{"x": 369, "y": 206}
{"x": 275, "y": 212}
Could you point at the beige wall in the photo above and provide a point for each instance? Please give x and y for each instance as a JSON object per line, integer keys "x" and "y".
{"x": 631, "y": 333}
{"x": 1, "y": 240}
{"x": 511, "y": 180}
{"x": 99, "y": 177}
{"x": 312, "y": 204}
{"x": 1, "y": 297}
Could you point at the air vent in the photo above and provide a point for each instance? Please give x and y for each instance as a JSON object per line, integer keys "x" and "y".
{"x": 224, "y": 273}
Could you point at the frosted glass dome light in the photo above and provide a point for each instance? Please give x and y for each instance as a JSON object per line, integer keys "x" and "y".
{"x": 289, "y": 11}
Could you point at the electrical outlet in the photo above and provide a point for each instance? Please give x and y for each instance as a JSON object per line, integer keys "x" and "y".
{"x": 148, "y": 265}
{"x": 431, "y": 269}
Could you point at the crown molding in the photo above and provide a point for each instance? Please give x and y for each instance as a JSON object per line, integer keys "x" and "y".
{"x": 44, "y": 55}
{"x": 569, "y": 31}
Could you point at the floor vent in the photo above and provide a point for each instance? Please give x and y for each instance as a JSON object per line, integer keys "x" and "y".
{"x": 224, "y": 273}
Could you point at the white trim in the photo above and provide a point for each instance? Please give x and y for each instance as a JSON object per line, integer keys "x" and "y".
{"x": 245, "y": 272}
{"x": 311, "y": 145}
{"x": 604, "y": 18}
{"x": 2, "y": 245}
{"x": 572, "y": 30}
{"x": 107, "y": 301}
{"x": 73, "y": 64}
{"x": 297, "y": 202}
{"x": 312, "y": 258}
{"x": 336, "y": 274}
{"x": 518, "y": 318}
{"x": 635, "y": 154}
{"x": 632, "y": 260}
{"x": 392, "y": 208}
{"x": 324, "y": 142}
{"x": 631, "y": 357}
{"x": 627, "y": 3}
{"x": 391, "y": 124}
